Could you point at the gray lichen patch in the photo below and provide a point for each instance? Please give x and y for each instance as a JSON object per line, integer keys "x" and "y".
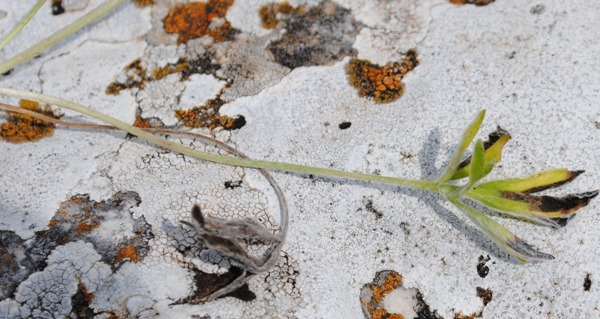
{"x": 319, "y": 35}
{"x": 15, "y": 263}
{"x": 247, "y": 66}
{"x": 48, "y": 293}
{"x": 108, "y": 225}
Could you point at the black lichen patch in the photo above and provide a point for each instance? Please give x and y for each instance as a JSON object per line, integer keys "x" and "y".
{"x": 15, "y": 263}
{"x": 57, "y": 7}
{"x": 137, "y": 76}
{"x": 318, "y": 35}
{"x": 228, "y": 123}
{"x": 482, "y": 269}
{"x": 344, "y": 125}
{"x": 233, "y": 184}
{"x": 485, "y": 295}
{"x": 243, "y": 293}
{"x": 202, "y": 65}
{"x": 79, "y": 218}
{"x": 81, "y": 302}
{"x": 587, "y": 282}
{"x": 475, "y": 2}
{"x": 382, "y": 83}
{"x": 424, "y": 311}
{"x": 207, "y": 284}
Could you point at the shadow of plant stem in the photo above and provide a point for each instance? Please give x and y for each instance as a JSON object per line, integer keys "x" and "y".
{"x": 509, "y": 196}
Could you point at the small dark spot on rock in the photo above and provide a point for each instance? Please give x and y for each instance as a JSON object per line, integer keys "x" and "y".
{"x": 475, "y": 2}
{"x": 537, "y": 9}
{"x": 482, "y": 269}
{"x": 587, "y": 283}
{"x": 371, "y": 209}
{"x": 405, "y": 228}
{"x": 344, "y": 125}
{"x": 10, "y": 71}
{"x": 512, "y": 55}
{"x": 233, "y": 184}
{"x": 485, "y": 295}
{"x": 57, "y": 7}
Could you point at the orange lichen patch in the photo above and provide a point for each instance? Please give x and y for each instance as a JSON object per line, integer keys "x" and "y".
{"x": 392, "y": 281}
{"x": 88, "y": 297}
{"x": 186, "y": 67}
{"x": 21, "y": 128}
{"x": 143, "y": 3}
{"x": 228, "y": 123}
{"x": 195, "y": 20}
{"x": 127, "y": 253}
{"x": 268, "y": 13}
{"x": 142, "y": 122}
{"x": 383, "y": 314}
{"x": 180, "y": 66}
{"x": 373, "y": 294}
{"x": 80, "y": 224}
{"x": 471, "y": 316}
{"x": 475, "y": 2}
{"x": 200, "y": 116}
{"x": 136, "y": 77}
{"x": 7, "y": 261}
{"x": 84, "y": 227}
{"x": 383, "y": 84}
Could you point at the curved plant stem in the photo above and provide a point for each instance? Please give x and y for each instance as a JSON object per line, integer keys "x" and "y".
{"x": 60, "y": 35}
{"x": 221, "y": 159}
{"x": 19, "y": 27}
{"x": 283, "y": 218}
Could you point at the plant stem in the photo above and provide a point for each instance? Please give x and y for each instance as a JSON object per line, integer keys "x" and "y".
{"x": 60, "y": 35}
{"x": 15, "y": 31}
{"x": 221, "y": 159}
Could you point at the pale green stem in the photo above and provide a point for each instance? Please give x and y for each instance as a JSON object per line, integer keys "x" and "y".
{"x": 60, "y": 35}
{"x": 221, "y": 159}
{"x": 17, "y": 29}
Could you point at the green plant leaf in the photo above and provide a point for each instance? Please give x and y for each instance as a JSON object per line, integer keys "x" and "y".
{"x": 534, "y": 183}
{"x": 476, "y": 171}
{"x": 467, "y": 137}
{"x": 503, "y": 237}
{"x": 493, "y": 153}
{"x": 530, "y": 206}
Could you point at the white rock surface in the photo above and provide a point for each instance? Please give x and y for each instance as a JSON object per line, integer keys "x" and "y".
{"x": 532, "y": 64}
